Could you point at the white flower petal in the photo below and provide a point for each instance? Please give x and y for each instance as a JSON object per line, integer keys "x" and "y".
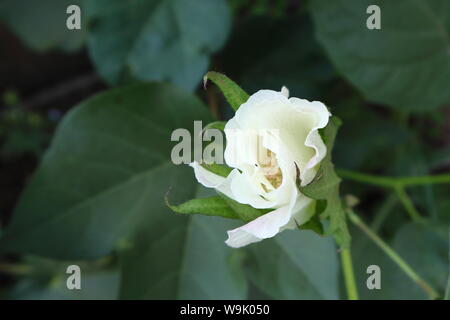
{"x": 245, "y": 192}
{"x": 285, "y": 91}
{"x": 263, "y": 227}
{"x": 313, "y": 139}
{"x": 303, "y": 211}
{"x": 212, "y": 180}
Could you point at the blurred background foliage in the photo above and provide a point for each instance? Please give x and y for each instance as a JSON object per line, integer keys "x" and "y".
{"x": 95, "y": 198}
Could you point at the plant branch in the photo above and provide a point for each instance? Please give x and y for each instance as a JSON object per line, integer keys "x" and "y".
{"x": 432, "y": 294}
{"x": 349, "y": 276}
{"x": 393, "y": 182}
{"x": 408, "y": 204}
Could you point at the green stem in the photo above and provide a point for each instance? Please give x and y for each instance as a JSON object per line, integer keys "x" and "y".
{"x": 432, "y": 294}
{"x": 393, "y": 182}
{"x": 349, "y": 276}
{"x": 408, "y": 204}
{"x": 447, "y": 291}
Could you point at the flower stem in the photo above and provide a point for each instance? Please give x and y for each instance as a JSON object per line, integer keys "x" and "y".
{"x": 392, "y": 182}
{"x": 349, "y": 276}
{"x": 432, "y": 294}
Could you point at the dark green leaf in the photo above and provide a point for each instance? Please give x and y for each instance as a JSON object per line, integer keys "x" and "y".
{"x": 405, "y": 64}
{"x": 106, "y": 173}
{"x": 41, "y": 25}
{"x": 295, "y": 265}
{"x": 156, "y": 39}
{"x": 183, "y": 260}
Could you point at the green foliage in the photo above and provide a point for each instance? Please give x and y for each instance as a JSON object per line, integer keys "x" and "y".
{"x": 260, "y": 7}
{"x": 107, "y": 165}
{"x": 155, "y": 39}
{"x": 325, "y": 186}
{"x": 186, "y": 260}
{"x": 408, "y": 55}
{"x": 364, "y": 127}
{"x": 41, "y": 25}
{"x": 302, "y": 265}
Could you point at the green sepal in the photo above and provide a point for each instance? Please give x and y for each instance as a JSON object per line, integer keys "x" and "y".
{"x": 211, "y": 206}
{"x": 232, "y": 92}
{"x": 219, "y": 125}
{"x": 325, "y": 186}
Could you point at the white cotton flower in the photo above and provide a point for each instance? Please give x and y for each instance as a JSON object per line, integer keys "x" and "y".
{"x": 272, "y": 141}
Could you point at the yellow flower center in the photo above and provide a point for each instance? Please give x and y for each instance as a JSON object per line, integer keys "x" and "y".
{"x": 272, "y": 171}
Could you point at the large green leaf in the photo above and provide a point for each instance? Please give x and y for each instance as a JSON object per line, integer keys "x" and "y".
{"x": 295, "y": 265}
{"x": 41, "y": 25}
{"x": 156, "y": 39}
{"x": 184, "y": 260}
{"x": 106, "y": 172}
{"x": 406, "y": 64}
